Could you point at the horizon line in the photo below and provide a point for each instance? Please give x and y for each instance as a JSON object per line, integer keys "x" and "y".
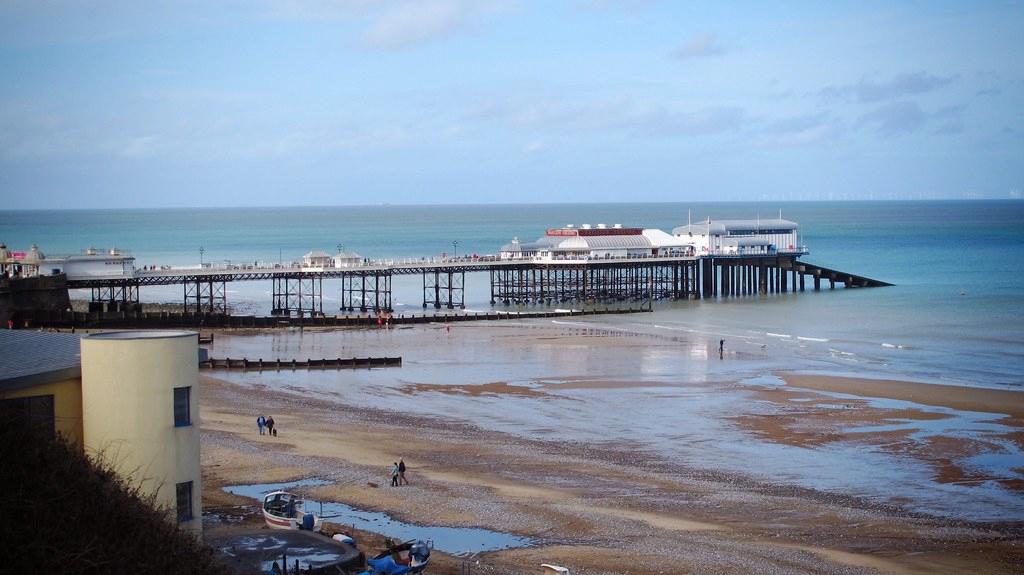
{"x": 500, "y": 204}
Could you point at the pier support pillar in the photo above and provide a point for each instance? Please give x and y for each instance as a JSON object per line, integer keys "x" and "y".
{"x": 300, "y": 295}
{"x": 121, "y": 296}
{"x": 444, "y": 287}
{"x": 709, "y": 277}
{"x": 366, "y": 290}
{"x": 205, "y": 296}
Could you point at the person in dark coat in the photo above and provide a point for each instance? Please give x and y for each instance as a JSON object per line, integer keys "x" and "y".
{"x": 401, "y": 472}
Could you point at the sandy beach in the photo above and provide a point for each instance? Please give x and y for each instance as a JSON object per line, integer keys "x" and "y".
{"x": 615, "y": 504}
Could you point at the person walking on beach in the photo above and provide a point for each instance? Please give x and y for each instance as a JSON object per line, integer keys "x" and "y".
{"x": 270, "y": 425}
{"x": 260, "y": 423}
{"x": 401, "y": 472}
{"x": 721, "y": 348}
{"x": 394, "y": 475}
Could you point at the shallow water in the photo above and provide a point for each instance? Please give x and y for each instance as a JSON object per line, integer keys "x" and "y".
{"x": 453, "y": 540}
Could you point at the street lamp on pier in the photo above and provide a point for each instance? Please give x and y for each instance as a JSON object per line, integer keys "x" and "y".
{"x": 455, "y": 248}
{"x": 202, "y": 251}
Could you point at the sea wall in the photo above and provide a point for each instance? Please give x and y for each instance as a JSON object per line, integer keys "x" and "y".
{"x": 22, "y": 298}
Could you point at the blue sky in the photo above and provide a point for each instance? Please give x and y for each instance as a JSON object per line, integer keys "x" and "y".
{"x": 319, "y": 102}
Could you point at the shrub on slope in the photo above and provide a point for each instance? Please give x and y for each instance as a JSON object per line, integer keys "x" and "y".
{"x": 62, "y": 513}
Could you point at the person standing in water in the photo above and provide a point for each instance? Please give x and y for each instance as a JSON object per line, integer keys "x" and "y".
{"x": 721, "y": 348}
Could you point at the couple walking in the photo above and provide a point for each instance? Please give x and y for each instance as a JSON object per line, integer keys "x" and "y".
{"x": 267, "y": 423}
{"x": 398, "y": 473}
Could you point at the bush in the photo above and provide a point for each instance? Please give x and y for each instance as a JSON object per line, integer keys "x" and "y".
{"x": 63, "y": 513}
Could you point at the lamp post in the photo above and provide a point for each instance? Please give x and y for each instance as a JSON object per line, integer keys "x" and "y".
{"x": 455, "y": 248}
{"x": 202, "y": 251}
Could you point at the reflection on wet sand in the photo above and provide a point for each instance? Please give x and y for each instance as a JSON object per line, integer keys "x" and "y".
{"x": 651, "y": 429}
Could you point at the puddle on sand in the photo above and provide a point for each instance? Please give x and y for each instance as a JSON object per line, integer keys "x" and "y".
{"x": 453, "y": 540}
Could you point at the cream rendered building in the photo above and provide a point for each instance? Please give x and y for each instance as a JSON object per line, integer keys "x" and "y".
{"x": 140, "y": 411}
{"x": 130, "y": 398}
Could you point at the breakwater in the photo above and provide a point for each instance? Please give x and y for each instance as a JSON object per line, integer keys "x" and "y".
{"x": 170, "y": 320}
{"x": 279, "y": 364}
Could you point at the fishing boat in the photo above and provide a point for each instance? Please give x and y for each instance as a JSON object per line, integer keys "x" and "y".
{"x": 408, "y": 558}
{"x": 284, "y": 510}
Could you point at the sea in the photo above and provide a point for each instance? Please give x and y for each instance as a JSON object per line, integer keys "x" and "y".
{"x": 955, "y": 313}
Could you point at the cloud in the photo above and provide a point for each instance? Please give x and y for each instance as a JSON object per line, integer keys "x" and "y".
{"x": 870, "y": 91}
{"x": 802, "y": 130}
{"x": 699, "y": 46}
{"x": 905, "y": 117}
{"x": 33, "y": 134}
{"x": 895, "y": 118}
{"x": 950, "y": 119}
{"x": 414, "y": 23}
{"x": 711, "y": 120}
{"x": 612, "y": 115}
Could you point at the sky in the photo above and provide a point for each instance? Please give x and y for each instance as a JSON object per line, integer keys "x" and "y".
{"x": 352, "y": 102}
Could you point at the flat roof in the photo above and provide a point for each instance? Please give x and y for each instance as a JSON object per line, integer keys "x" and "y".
{"x": 29, "y": 358}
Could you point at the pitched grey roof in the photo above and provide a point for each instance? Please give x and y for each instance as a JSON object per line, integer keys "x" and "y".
{"x": 30, "y": 358}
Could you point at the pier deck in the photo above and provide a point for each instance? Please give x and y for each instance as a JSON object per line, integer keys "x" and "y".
{"x": 298, "y": 291}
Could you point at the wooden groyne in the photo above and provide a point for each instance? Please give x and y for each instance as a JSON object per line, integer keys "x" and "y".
{"x": 169, "y": 320}
{"x": 279, "y": 364}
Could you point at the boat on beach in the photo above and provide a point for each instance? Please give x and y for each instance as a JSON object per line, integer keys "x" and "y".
{"x": 285, "y": 510}
{"x": 407, "y": 558}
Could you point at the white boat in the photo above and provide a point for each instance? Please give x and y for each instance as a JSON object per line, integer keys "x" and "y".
{"x": 284, "y": 510}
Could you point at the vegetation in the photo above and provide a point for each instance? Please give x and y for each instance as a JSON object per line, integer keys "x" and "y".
{"x": 66, "y": 514}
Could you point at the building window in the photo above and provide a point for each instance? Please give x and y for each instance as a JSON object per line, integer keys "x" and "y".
{"x": 184, "y": 500}
{"x": 182, "y": 411}
{"x": 34, "y": 412}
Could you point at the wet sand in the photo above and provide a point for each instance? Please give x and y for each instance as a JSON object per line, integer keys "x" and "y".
{"x": 997, "y": 401}
{"x": 614, "y": 506}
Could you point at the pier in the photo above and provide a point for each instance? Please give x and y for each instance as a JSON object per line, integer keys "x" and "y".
{"x": 582, "y": 265}
{"x": 299, "y": 292}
